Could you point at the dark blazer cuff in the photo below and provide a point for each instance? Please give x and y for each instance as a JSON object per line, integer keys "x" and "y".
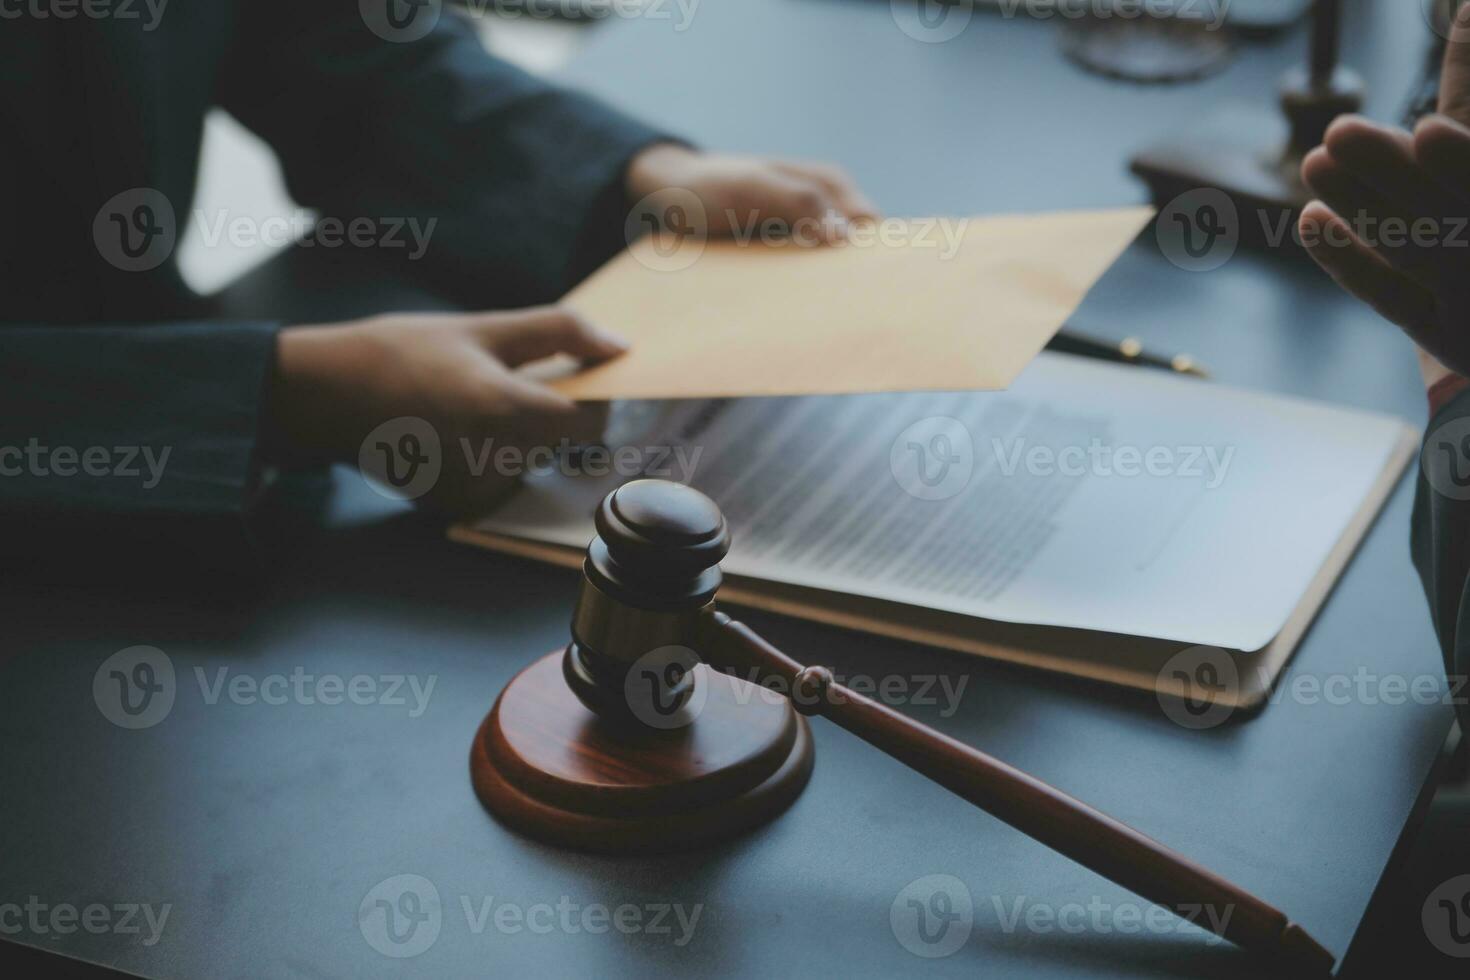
{"x": 139, "y": 443}
{"x": 605, "y": 231}
{"x": 493, "y": 247}
{"x": 1443, "y": 391}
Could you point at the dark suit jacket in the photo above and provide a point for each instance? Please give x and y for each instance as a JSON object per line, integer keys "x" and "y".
{"x": 1440, "y": 539}
{"x": 524, "y": 180}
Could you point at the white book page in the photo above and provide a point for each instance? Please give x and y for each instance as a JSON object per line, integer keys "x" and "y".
{"x": 1089, "y": 495}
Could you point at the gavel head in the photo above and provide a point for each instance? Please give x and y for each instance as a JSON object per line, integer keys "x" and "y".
{"x": 650, "y": 573}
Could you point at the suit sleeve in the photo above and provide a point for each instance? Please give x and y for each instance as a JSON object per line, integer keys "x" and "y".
{"x": 521, "y": 179}
{"x": 1440, "y": 534}
{"x": 130, "y": 448}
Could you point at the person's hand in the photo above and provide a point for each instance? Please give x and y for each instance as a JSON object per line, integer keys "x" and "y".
{"x": 739, "y": 194}
{"x": 1393, "y": 222}
{"x": 336, "y": 384}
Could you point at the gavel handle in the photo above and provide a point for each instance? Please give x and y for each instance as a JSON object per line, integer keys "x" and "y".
{"x": 1044, "y": 813}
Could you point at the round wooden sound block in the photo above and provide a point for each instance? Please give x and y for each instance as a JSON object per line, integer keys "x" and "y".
{"x": 546, "y": 766}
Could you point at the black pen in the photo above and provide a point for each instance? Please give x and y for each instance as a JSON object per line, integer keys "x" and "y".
{"x": 1126, "y": 351}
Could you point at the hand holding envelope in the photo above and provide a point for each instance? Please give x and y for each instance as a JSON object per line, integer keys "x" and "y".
{"x": 911, "y": 305}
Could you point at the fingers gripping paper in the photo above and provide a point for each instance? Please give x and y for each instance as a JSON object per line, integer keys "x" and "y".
{"x": 924, "y": 305}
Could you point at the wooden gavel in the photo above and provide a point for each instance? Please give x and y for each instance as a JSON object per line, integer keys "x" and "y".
{"x": 650, "y": 579}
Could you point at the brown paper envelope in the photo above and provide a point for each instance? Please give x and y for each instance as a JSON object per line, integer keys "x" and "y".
{"x": 936, "y": 305}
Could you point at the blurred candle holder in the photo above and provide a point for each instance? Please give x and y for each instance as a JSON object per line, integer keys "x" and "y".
{"x": 1253, "y": 156}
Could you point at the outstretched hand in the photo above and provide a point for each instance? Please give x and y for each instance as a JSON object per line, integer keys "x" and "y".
{"x": 1392, "y": 225}
{"x": 738, "y": 194}
{"x": 454, "y": 373}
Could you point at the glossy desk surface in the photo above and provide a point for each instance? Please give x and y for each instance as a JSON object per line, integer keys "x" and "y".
{"x": 264, "y": 826}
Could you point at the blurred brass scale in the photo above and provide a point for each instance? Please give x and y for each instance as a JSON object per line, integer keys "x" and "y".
{"x": 1240, "y": 151}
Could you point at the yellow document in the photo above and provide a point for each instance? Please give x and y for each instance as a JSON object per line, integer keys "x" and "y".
{"x": 911, "y": 305}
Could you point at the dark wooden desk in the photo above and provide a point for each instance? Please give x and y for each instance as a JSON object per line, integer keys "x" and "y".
{"x": 264, "y": 826}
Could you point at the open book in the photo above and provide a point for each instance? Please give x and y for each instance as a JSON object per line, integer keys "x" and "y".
{"x": 1095, "y": 519}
